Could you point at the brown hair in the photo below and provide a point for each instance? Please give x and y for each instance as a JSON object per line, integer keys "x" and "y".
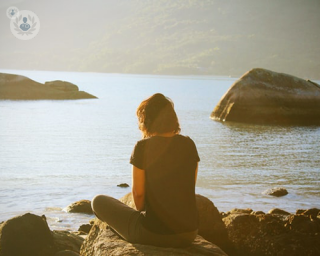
{"x": 156, "y": 115}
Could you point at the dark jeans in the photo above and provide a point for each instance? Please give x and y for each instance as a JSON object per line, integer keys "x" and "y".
{"x": 127, "y": 222}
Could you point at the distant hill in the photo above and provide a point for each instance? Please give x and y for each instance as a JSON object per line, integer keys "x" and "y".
{"x": 179, "y": 37}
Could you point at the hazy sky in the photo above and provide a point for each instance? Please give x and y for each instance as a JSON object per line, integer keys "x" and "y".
{"x": 248, "y": 33}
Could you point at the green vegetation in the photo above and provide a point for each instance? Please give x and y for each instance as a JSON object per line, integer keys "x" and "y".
{"x": 181, "y": 37}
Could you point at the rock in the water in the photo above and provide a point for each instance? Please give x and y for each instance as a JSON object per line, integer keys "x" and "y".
{"x": 16, "y": 87}
{"x": 27, "y": 235}
{"x": 101, "y": 241}
{"x": 211, "y": 226}
{"x": 63, "y": 86}
{"x": 82, "y": 206}
{"x": 123, "y": 185}
{"x": 276, "y": 192}
{"x": 265, "y": 97}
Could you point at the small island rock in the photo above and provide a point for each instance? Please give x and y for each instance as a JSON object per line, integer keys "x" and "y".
{"x": 17, "y": 87}
{"x": 123, "y": 185}
{"x": 276, "y": 192}
{"x": 262, "y": 96}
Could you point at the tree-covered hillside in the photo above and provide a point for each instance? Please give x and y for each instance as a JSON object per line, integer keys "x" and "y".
{"x": 210, "y": 37}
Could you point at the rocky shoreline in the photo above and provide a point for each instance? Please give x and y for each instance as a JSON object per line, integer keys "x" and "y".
{"x": 237, "y": 232}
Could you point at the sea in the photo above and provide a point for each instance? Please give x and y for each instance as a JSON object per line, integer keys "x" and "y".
{"x": 56, "y": 152}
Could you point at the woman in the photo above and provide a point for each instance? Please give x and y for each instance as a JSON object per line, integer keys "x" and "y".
{"x": 164, "y": 173}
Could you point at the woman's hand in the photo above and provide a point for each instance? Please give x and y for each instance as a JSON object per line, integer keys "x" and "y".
{"x": 138, "y": 187}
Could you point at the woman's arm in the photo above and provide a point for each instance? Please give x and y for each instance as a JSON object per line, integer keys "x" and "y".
{"x": 138, "y": 187}
{"x": 196, "y": 173}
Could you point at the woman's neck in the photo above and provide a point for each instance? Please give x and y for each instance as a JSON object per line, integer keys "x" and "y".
{"x": 166, "y": 134}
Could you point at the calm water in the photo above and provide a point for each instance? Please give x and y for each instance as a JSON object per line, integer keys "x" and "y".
{"x": 53, "y": 153}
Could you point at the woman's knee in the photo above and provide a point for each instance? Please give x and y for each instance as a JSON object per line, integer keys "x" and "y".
{"x": 98, "y": 203}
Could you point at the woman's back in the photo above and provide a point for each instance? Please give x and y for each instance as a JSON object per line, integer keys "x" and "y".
{"x": 170, "y": 164}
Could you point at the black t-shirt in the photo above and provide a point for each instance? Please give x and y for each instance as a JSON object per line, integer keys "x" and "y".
{"x": 169, "y": 164}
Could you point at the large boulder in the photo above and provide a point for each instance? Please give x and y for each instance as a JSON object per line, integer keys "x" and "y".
{"x": 265, "y": 97}
{"x": 16, "y": 87}
{"x": 29, "y": 235}
{"x": 272, "y": 234}
{"x": 102, "y": 241}
{"x": 211, "y": 226}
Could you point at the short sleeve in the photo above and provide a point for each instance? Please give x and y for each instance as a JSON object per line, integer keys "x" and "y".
{"x": 193, "y": 151}
{"x": 136, "y": 158}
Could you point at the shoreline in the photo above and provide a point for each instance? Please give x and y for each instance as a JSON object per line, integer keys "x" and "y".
{"x": 237, "y": 232}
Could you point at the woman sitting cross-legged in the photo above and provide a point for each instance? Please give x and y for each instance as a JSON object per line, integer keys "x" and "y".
{"x": 164, "y": 173}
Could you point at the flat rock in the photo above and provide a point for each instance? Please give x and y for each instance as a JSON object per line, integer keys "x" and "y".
{"x": 101, "y": 241}
{"x": 262, "y": 96}
{"x": 16, "y": 87}
{"x": 211, "y": 226}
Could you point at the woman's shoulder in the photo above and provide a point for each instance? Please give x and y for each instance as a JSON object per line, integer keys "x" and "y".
{"x": 185, "y": 139}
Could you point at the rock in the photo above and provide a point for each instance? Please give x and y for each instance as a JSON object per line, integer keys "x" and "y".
{"x": 65, "y": 240}
{"x": 314, "y": 212}
{"x": 299, "y": 211}
{"x": 268, "y": 234}
{"x": 236, "y": 210}
{"x": 211, "y": 226}
{"x": 257, "y": 213}
{"x": 85, "y": 228}
{"x": 27, "y": 235}
{"x": 278, "y": 211}
{"x": 262, "y": 96}
{"x": 62, "y": 86}
{"x": 303, "y": 224}
{"x": 102, "y": 241}
{"x": 276, "y": 192}
{"x": 82, "y": 206}
{"x": 123, "y": 185}
{"x": 67, "y": 253}
{"x": 16, "y": 87}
